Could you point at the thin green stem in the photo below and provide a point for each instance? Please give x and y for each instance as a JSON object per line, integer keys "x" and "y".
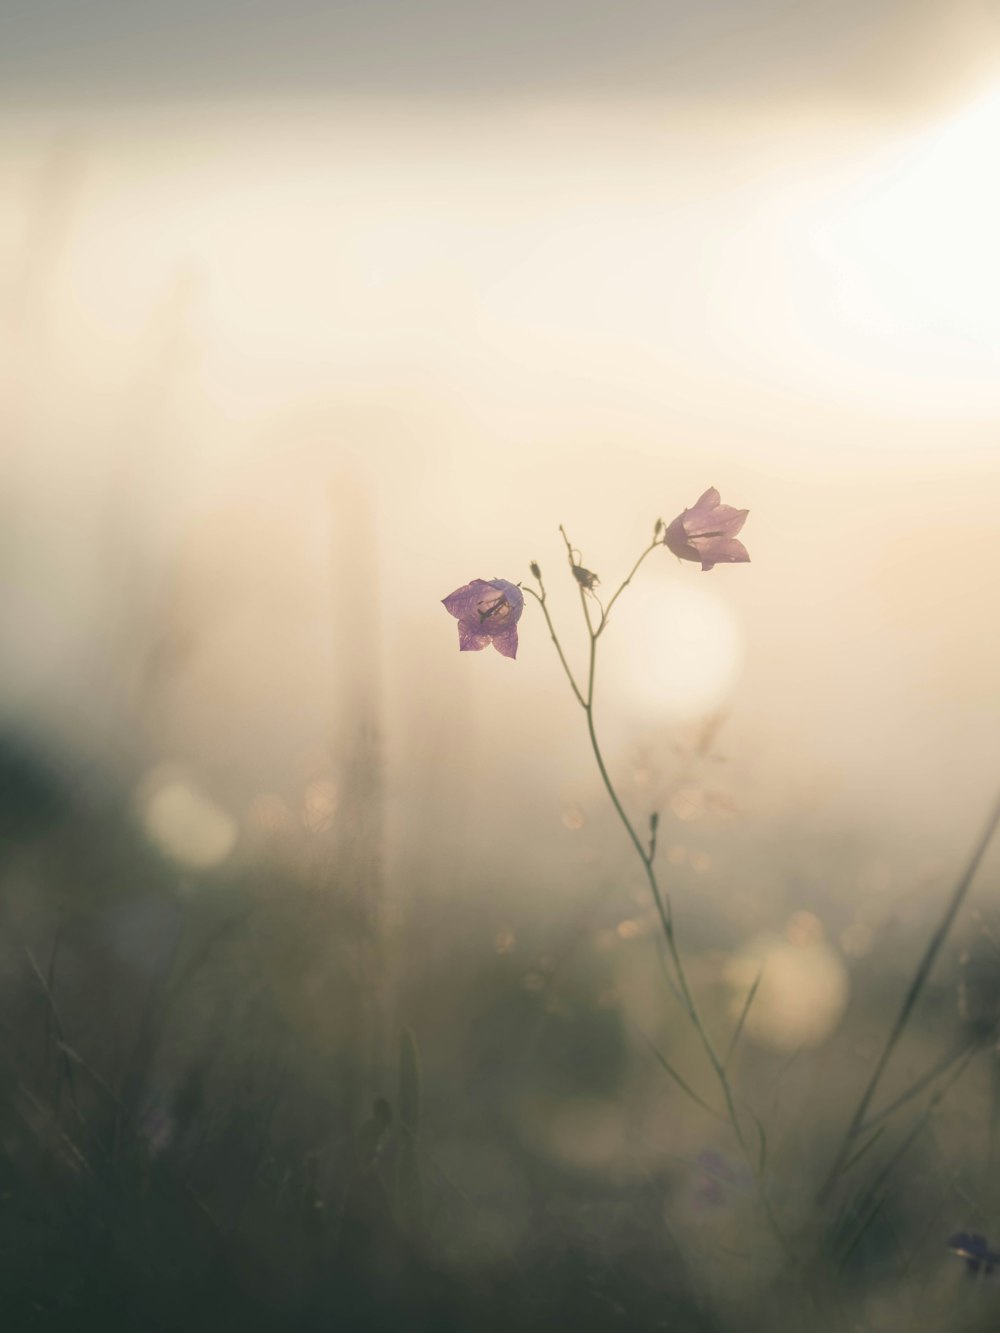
{"x": 681, "y": 989}
{"x": 924, "y": 1081}
{"x": 738, "y": 1030}
{"x": 865, "y": 1146}
{"x": 903, "y": 1147}
{"x": 632, "y": 573}
{"x": 660, "y": 899}
{"x": 665, "y": 1064}
{"x": 909, "y": 1002}
{"x": 60, "y": 1031}
{"x": 646, "y": 855}
{"x": 662, "y": 907}
{"x": 541, "y": 600}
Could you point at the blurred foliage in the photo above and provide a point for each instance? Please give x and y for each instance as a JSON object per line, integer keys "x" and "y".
{"x": 205, "y": 1122}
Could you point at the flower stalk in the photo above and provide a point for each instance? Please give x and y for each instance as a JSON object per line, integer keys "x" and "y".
{"x": 646, "y": 853}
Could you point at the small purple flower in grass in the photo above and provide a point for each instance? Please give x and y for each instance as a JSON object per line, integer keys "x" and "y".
{"x": 974, "y": 1250}
{"x": 487, "y": 611}
{"x": 707, "y": 532}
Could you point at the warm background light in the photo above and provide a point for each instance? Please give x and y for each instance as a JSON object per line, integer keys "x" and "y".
{"x": 309, "y": 315}
{"x": 676, "y": 651}
{"x": 479, "y": 328}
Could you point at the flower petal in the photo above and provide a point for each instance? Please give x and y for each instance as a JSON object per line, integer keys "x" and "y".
{"x": 513, "y": 594}
{"x": 720, "y": 551}
{"x": 469, "y": 641}
{"x": 723, "y": 520}
{"x": 676, "y": 539}
{"x": 487, "y": 611}
{"x": 707, "y": 532}
{"x": 506, "y": 644}
{"x": 463, "y": 600}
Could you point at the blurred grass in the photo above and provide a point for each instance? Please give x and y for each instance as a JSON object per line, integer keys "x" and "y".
{"x": 188, "y": 1134}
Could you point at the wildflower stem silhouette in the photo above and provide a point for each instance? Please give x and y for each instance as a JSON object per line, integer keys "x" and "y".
{"x": 679, "y": 983}
{"x": 860, "y": 1118}
{"x": 646, "y": 855}
{"x": 596, "y": 624}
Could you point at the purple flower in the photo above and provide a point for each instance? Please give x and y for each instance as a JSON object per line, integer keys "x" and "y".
{"x": 707, "y": 532}
{"x": 487, "y": 611}
{"x": 974, "y": 1250}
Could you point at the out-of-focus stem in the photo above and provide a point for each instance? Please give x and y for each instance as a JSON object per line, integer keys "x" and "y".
{"x": 682, "y": 988}
{"x": 909, "y": 1002}
{"x": 663, "y": 909}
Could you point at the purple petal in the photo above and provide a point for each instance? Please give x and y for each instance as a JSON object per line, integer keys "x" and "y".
{"x": 707, "y": 501}
{"x": 724, "y": 520}
{"x": 506, "y": 643}
{"x": 468, "y": 640}
{"x": 710, "y": 515}
{"x": 720, "y": 551}
{"x": 707, "y": 532}
{"x": 487, "y": 611}
{"x": 513, "y": 594}
{"x": 462, "y": 601}
{"x": 676, "y": 539}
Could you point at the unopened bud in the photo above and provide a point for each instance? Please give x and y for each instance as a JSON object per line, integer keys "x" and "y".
{"x": 535, "y": 570}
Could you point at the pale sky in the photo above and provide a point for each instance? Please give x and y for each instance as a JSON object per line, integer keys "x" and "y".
{"x": 551, "y": 305}
{"x": 874, "y": 52}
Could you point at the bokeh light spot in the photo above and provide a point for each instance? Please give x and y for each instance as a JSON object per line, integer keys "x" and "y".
{"x": 319, "y": 805}
{"x": 677, "y": 651}
{"x": 186, "y": 823}
{"x": 803, "y": 988}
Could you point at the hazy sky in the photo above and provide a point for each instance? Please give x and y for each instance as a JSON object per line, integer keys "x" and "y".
{"x": 874, "y": 51}
{"x": 534, "y": 266}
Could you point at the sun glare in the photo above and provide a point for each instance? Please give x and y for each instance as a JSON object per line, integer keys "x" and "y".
{"x": 677, "y": 649}
{"x": 916, "y": 250}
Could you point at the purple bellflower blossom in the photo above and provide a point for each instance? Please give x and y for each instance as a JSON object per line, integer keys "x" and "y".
{"x": 975, "y": 1251}
{"x": 487, "y": 611}
{"x": 707, "y": 532}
